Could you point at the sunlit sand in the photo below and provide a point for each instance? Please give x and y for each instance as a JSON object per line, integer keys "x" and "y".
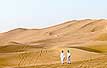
{"x": 40, "y": 48}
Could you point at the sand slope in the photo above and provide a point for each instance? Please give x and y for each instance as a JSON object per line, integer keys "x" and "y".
{"x": 86, "y": 39}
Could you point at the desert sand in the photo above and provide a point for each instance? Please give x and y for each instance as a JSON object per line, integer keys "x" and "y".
{"x": 40, "y": 48}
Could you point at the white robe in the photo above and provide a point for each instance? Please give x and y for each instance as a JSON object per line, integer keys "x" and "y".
{"x": 62, "y": 56}
{"x": 68, "y": 58}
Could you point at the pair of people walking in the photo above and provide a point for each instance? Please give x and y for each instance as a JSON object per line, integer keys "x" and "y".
{"x": 62, "y": 57}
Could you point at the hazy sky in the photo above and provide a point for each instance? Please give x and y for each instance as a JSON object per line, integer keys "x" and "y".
{"x": 43, "y": 13}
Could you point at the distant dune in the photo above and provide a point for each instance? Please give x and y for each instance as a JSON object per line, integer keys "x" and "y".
{"x": 32, "y": 48}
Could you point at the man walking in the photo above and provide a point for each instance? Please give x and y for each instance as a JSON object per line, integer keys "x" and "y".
{"x": 68, "y": 57}
{"x": 62, "y": 57}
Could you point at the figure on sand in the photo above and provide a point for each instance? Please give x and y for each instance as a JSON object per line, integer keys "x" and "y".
{"x": 62, "y": 57}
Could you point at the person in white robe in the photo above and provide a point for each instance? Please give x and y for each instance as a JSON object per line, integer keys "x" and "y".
{"x": 62, "y": 57}
{"x": 68, "y": 57}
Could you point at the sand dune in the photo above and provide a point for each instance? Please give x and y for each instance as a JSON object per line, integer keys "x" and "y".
{"x": 31, "y": 48}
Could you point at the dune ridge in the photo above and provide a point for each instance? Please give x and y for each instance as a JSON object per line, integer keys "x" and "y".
{"x": 32, "y": 48}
